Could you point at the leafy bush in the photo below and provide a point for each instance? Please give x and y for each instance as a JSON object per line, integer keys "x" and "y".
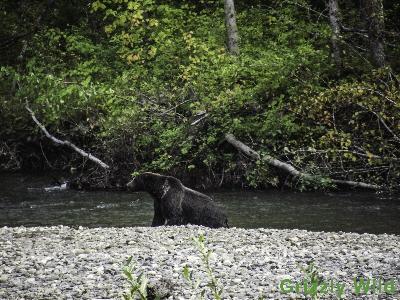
{"x": 150, "y": 86}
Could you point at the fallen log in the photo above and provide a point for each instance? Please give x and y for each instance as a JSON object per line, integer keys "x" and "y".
{"x": 231, "y": 139}
{"x": 67, "y": 143}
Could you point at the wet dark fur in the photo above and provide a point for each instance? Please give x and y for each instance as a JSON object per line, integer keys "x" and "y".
{"x": 175, "y": 204}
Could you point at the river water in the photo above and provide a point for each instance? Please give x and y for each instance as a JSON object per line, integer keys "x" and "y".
{"x": 24, "y": 202}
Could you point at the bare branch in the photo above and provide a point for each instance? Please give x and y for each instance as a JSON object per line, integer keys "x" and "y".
{"x": 366, "y": 154}
{"x": 382, "y": 121}
{"x": 67, "y": 143}
{"x": 203, "y": 115}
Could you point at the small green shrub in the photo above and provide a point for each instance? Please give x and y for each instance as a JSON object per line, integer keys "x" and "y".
{"x": 312, "y": 276}
{"x": 138, "y": 284}
{"x": 212, "y": 284}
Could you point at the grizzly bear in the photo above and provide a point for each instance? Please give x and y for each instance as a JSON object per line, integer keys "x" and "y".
{"x": 175, "y": 204}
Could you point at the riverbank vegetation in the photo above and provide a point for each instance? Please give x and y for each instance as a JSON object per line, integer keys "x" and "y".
{"x": 150, "y": 85}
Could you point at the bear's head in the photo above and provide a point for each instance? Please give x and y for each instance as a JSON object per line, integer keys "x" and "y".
{"x": 146, "y": 182}
{"x": 136, "y": 184}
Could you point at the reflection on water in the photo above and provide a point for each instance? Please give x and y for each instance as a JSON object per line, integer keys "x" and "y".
{"x": 350, "y": 212}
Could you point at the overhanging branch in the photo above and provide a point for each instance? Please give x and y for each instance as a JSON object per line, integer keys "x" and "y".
{"x": 67, "y": 143}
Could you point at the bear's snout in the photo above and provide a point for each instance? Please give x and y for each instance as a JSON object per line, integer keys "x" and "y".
{"x": 131, "y": 185}
{"x": 135, "y": 185}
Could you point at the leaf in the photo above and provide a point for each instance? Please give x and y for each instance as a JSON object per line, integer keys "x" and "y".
{"x": 129, "y": 260}
{"x": 143, "y": 286}
{"x": 128, "y": 274}
{"x": 126, "y": 297}
{"x": 201, "y": 238}
{"x": 186, "y": 273}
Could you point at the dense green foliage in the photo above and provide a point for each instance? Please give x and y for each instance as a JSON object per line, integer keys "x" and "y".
{"x": 149, "y": 85}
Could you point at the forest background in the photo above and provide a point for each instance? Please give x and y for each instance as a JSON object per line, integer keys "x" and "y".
{"x": 152, "y": 85}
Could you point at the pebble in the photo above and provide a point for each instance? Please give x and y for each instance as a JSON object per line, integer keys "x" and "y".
{"x": 86, "y": 263}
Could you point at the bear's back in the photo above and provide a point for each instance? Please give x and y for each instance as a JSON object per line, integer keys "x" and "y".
{"x": 200, "y": 209}
{"x": 189, "y": 191}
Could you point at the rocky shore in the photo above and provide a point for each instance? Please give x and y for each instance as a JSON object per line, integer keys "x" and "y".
{"x": 81, "y": 263}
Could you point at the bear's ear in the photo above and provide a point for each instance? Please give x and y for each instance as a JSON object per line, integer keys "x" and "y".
{"x": 153, "y": 179}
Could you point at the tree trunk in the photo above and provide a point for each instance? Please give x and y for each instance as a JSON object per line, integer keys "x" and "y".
{"x": 231, "y": 28}
{"x": 335, "y": 26}
{"x": 375, "y": 24}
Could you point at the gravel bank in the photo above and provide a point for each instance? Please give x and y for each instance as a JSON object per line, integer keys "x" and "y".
{"x": 66, "y": 263}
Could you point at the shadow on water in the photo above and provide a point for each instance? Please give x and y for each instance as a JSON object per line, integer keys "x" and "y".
{"x": 350, "y": 212}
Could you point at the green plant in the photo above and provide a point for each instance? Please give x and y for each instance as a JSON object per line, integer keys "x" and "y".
{"x": 137, "y": 284}
{"x": 312, "y": 275}
{"x": 212, "y": 284}
{"x": 194, "y": 283}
